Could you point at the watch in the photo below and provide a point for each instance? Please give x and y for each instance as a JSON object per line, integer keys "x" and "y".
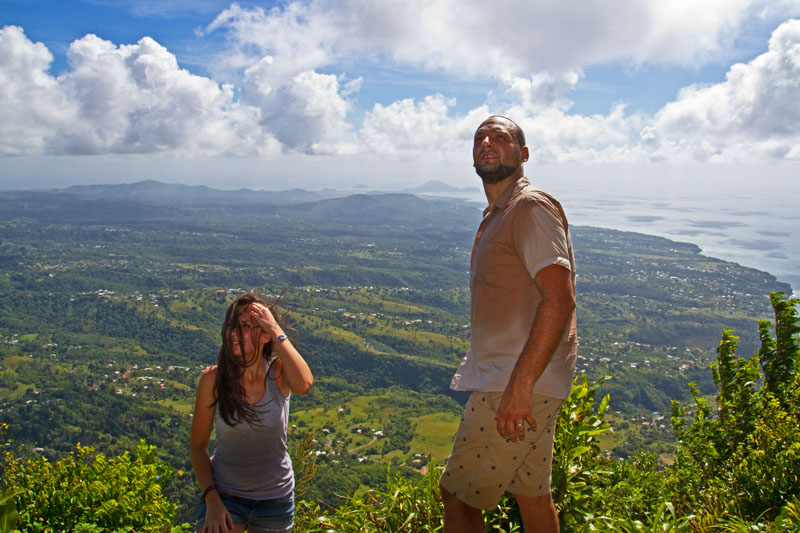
{"x": 280, "y": 338}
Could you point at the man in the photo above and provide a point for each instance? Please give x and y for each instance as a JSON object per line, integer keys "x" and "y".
{"x": 523, "y": 343}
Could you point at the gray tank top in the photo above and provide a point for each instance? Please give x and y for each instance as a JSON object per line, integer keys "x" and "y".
{"x": 253, "y": 461}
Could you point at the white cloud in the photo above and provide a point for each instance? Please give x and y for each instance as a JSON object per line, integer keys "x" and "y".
{"x": 32, "y": 103}
{"x": 281, "y": 49}
{"x": 286, "y": 88}
{"x": 413, "y": 128}
{"x": 554, "y": 136}
{"x": 687, "y": 31}
{"x": 118, "y": 99}
{"x": 541, "y": 91}
{"x": 294, "y": 38}
{"x": 135, "y": 98}
{"x": 535, "y": 52}
{"x": 496, "y": 40}
{"x": 754, "y": 113}
{"x": 306, "y": 112}
{"x": 408, "y": 126}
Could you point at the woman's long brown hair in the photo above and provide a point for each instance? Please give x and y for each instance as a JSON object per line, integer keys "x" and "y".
{"x": 228, "y": 391}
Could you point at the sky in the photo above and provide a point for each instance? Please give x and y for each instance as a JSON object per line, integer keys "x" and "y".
{"x": 335, "y": 93}
{"x": 678, "y": 118}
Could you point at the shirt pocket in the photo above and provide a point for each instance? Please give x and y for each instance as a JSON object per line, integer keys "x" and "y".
{"x": 496, "y": 264}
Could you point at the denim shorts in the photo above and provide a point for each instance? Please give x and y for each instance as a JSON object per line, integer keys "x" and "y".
{"x": 258, "y": 516}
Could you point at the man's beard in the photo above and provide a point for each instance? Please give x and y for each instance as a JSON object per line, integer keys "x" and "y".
{"x": 494, "y": 174}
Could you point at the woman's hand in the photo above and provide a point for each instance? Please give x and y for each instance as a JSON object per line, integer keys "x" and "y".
{"x": 218, "y": 520}
{"x": 263, "y": 317}
{"x": 295, "y": 376}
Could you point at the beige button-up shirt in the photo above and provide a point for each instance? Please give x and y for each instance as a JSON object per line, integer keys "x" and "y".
{"x": 523, "y": 232}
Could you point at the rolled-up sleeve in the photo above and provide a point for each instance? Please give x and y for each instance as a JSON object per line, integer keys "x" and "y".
{"x": 540, "y": 238}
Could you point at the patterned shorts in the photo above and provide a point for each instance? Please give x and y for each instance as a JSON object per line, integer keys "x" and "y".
{"x": 483, "y": 465}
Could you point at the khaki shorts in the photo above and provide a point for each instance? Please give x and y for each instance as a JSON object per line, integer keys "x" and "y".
{"x": 483, "y": 465}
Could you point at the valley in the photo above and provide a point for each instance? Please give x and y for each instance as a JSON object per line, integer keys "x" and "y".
{"x": 112, "y": 307}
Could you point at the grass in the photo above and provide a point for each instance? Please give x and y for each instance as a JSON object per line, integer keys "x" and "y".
{"x": 433, "y": 435}
{"x": 12, "y": 361}
{"x": 183, "y": 407}
{"x": 611, "y": 439}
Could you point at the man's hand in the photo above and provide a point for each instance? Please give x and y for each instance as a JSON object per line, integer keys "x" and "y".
{"x": 516, "y": 408}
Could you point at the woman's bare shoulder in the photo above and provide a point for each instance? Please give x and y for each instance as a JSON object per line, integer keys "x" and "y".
{"x": 208, "y": 376}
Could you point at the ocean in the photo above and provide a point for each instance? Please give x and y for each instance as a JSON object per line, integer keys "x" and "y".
{"x": 751, "y": 221}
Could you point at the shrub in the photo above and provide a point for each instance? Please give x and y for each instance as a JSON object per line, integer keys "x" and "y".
{"x": 577, "y": 460}
{"x": 745, "y": 461}
{"x": 85, "y": 491}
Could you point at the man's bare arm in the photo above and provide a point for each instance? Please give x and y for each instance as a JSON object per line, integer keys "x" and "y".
{"x": 555, "y": 310}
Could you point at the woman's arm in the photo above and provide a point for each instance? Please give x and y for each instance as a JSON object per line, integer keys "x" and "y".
{"x": 295, "y": 375}
{"x": 217, "y": 517}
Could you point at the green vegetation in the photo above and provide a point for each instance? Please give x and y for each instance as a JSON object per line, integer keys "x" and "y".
{"x": 738, "y": 471}
{"x": 85, "y": 491}
{"x": 737, "y": 464}
{"x": 112, "y": 309}
{"x": 747, "y": 458}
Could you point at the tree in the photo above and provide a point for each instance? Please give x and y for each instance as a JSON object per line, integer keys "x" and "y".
{"x": 746, "y": 460}
{"x": 780, "y": 357}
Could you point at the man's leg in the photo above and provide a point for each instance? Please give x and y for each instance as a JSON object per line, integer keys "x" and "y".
{"x": 460, "y": 517}
{"x": 538, "y": 513}
{"x": 531, "y": 483}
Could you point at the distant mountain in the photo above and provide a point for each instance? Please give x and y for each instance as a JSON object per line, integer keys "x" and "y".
{"x": 150, "y": 200}
{"x": 176, "y": 195}
{"x": 159, "y": 193}
{"x": 147, "y": 190}
{"x": 436, "y": 186}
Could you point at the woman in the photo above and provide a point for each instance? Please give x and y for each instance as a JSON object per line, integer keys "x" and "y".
{"x": 249, "y": 483}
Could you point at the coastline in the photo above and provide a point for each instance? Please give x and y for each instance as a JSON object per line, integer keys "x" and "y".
{"x": 729, "y": 233}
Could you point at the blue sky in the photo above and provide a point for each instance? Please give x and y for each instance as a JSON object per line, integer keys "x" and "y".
{"x": 324, "y": 92}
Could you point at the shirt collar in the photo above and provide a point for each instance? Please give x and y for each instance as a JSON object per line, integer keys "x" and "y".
{"x": 510, "y": 191}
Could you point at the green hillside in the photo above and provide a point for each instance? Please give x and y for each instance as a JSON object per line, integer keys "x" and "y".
{"x": 111, "y": 308}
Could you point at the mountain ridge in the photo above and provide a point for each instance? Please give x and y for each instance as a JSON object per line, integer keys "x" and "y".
{"x": 152, "y": 200}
